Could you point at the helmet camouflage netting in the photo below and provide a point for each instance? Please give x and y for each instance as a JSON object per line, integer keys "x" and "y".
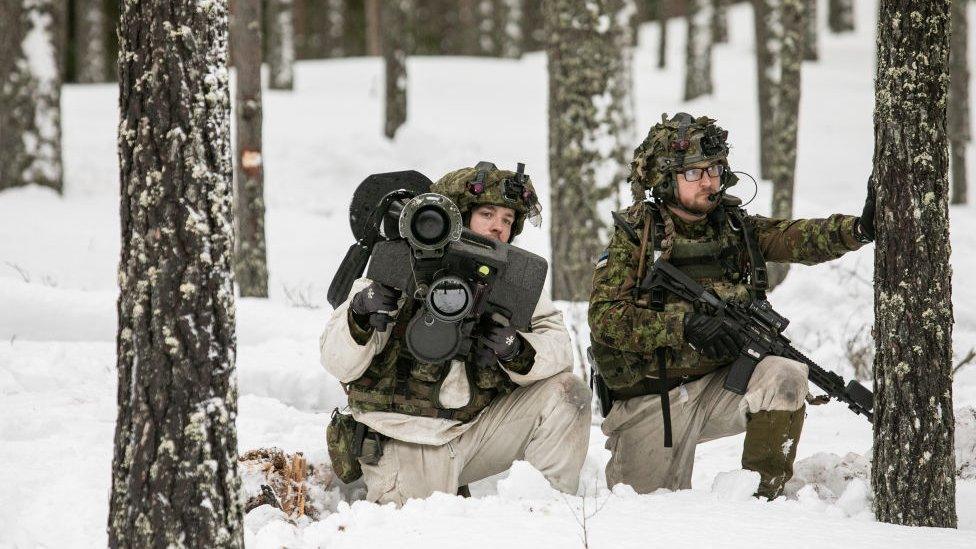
{"x": 672, "y": 144}
{"x": 485, "y": 184}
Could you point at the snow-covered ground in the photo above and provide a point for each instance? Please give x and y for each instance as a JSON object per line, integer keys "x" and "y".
{"x": 58, "y": 259}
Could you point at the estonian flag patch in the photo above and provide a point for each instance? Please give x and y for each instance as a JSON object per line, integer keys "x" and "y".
{"x": 603, "y": 259}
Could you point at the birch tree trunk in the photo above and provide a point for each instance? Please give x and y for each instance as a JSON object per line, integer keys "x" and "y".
{"x": 395, "y": 44}
{"x": 281, "y": 44}
{"x": 768, "y": 31}
{"x": 250, "y": 251}
{"x": 30, "y": 93}
{"x": 582, "y": 65}
{"x": 959, "y": 132}
{"x": 913, "y": 470}
{"x": 174, "y": 471}
{"x": 698, "y": 50}
{"x": 811, "y": 48}
{"x": 720, "y": 21}
{"x": 840, "y": 15}
{"x": 786, "y": 118}
{"x": 90, "y": 35}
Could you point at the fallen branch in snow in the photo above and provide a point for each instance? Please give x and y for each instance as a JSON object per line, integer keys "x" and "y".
{"x": 969, "y": 358}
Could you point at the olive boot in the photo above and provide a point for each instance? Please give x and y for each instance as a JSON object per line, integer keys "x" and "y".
{"x": 770, "y": 447}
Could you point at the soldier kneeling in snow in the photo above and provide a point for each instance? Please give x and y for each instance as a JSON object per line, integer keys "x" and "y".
{"x": 664, "y": 361}
{"x": 430, "y": 428}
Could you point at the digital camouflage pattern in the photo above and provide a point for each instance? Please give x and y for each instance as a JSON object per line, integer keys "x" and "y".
{"x": 625, "y": 331}
{"x": 668, "y": 148}
{"x": 467, "y": 191}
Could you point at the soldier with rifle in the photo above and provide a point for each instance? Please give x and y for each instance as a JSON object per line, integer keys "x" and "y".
{"x": 685, "y": 345}
{"x": 420, "y": 425}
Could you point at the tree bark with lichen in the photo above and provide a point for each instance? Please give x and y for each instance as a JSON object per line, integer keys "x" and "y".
{"x": 250, "y": 251}
{"x": 395, "y": 44}
{"x": 768, "y": 31}
{"x": 588, "y": 91}
{"x": 913, "y": 469}
{"x": 174, "y": 471}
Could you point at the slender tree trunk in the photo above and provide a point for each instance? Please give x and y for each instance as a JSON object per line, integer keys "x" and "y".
{"x": 374, "y": 37}
{"x": 786, "y": 119}
{"x": 281, "y": 44}
{"x": 336, "y": 27}
{"x": 768, "y": 31}
{"x": 582, "y": 64}
{"x": 959, "y": 132}
{"x": 90, "y": 37}
{"x": 396, "y": 43}
{"x": 840, "y": 15}
{"x": 662, "y": 44}
{"x": 720, "y": 21}
{"x": 698, "y": 53}
{"x": 174, "y": 472}
{"x": 811, "y": 48}
{"x": 533, "y": 27}
{"x": 250, "y": 255}
{"x": 30, "y": 93}
{"x": 489, "y": 29}
{"x": 510, "y": 17}
{"x": 621, "y": 110}
{"x": 913, "y": 470}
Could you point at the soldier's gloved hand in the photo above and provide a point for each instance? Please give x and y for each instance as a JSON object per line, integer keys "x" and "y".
{"x": 373, "y": 305}
{"x": 864, "y": 228}
{"x": 503, "y": 341}
{"x": 710, "y": 336}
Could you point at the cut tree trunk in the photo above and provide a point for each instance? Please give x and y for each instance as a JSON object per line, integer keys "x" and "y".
{"x": 174, "y": 473}
{"x": 913, "y": 469}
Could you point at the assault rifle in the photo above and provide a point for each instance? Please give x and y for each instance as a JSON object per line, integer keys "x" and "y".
{"x": 760, "y": 329}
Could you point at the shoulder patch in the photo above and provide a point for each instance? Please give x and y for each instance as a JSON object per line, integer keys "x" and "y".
{"x": 602, "y": 261}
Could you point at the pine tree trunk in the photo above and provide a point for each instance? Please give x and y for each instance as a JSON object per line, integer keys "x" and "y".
{"x": 768, "y": 31}
{"x": 509, "y": 16}
{"x": 913, "y": 470}
{"x": 395, "y": 44}
{"x": 840, "y": 15}
{"x": 250, "y": 254}
{"x": 620, "y": 115}
{"x": 582, "y": 61}
{"x": 90, "y": 34}
{"x": 720, "y": 21}
{"x": 786, "y": 119}
{"x": 30, "y": 93}
{"x": 336, "y": 15}
{"x": 281, "y": 44}
{"x": 374, "y": 36}
{"x": 698, "y": 52}
{"x": 662, "y": 43}
{"x": 958, "y": 128}
{"x": 533, "y": 27}
{"x": 811, "y": 48}
{"x": 174, "y": 472}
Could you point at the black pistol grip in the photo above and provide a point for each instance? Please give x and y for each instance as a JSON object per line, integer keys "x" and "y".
{"x": 739, "y": 374}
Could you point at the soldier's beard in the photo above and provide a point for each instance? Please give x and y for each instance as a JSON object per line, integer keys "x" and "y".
{"x": 701, "y": 206}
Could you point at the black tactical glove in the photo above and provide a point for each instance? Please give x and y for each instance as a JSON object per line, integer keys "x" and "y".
{"x": 372, "y": 306}
{"x": 864, "y": 228}
{"x": 710, "y": 336}
{"x": 502, "y": 341}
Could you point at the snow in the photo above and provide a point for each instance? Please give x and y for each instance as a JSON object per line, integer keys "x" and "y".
{"x": 58, "y": 291}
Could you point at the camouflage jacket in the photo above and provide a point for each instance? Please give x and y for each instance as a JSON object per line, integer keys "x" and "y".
{"x": 624, "y": 329}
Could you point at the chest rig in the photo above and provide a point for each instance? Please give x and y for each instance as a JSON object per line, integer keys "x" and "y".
{"x": 396, "y": 382}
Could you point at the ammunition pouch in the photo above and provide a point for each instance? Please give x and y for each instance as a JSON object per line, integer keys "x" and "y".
{"x": 351, "y": 444}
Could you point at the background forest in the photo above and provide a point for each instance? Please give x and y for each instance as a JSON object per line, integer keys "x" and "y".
{"x": 323, "y": 93}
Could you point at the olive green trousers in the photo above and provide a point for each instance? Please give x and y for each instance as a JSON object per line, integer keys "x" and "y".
{"x": 771, "y": 413}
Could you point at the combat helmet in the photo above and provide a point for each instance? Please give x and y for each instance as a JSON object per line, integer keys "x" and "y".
{"x": 485, "y": 184}
{"x": 671, "y": 145}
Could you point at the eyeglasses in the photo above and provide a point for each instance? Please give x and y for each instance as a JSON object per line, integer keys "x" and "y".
{"x": 694, "y": 174}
